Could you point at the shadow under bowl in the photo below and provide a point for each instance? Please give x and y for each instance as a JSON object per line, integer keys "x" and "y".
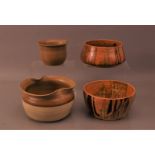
{"x": 103, "y": 53}
{"x": 108, "y": 99}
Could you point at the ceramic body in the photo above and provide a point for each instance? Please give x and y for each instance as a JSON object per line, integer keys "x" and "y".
{"x": 109, "y": 99}
{"x": 53, "y": 52}
{"x": 103, "y": 53}
{"x": 48, "y": 91}
{"x": 47, "y": 114}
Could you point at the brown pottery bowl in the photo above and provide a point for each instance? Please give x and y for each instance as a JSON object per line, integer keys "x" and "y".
{"x": 47, "y": 114}
{"x": 103, "y": 53}
{"x": 48, "y": 91}
{"x": 53, "y": 52}
{"x": 108, "y": 99}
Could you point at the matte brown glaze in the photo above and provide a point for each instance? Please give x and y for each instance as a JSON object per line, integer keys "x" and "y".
{"x": 109, "y": 99}
{"x": 53, "y": 52}
{"x": 47, "y": 91}
{"x": 103, "y": 53}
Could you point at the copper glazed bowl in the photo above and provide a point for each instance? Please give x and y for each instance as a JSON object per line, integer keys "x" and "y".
{"x": 49, "y": 91}
{"x": 53, "y": 52}
{"x": 109, "y": 99}
{"x": 103, "y": 53}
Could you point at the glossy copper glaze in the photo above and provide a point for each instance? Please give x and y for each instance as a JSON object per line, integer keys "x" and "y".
{"x": 103, "y": 53}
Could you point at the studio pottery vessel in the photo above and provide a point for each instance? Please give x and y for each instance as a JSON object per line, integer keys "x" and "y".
{"x": 103, "y": 53}
{"x": 47, "y": 91}
{"x": 53, "y": 52}
{"x": 109, "y": 99}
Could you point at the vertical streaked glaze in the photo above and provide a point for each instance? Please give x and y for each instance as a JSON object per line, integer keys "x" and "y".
{"x": 103, "y": 53}
{"x": 108, "y": 99}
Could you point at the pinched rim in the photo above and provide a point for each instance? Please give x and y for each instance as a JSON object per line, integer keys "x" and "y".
{"x": 95, "y": 43}
{"x": 52, "y": 42}
{"x": 119, "y": 98}
{"x": 63, "y": 79}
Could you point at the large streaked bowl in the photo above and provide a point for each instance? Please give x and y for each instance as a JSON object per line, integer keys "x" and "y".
{"x": 109, "y": 99}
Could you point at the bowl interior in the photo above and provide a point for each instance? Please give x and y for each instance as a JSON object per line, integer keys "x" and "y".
{"x": 104, "y": 43}
{"x": 43, "y": 86}
{"x": 109, "y": 89}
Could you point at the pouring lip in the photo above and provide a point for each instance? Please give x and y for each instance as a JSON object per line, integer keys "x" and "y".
{"x": 54, "y": 78}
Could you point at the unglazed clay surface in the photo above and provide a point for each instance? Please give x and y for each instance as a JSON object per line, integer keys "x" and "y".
{"x": 47, "y": 114}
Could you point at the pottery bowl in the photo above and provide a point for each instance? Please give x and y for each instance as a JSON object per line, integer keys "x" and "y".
{"x": 47, "y": 91}
{"x": 47, "y": 114}
{"x": 103, "y": 53}
{"x": 108, "y": 99}
{"x": 53, "y": 52}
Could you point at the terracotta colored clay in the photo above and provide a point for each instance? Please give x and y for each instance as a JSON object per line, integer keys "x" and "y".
{"x": 103, "y": 53}
{"x": 108, "y": 99}
{"x": 47, "y": 91}
{"x": 47, "y": 114}
{"x": 53, "y": 52}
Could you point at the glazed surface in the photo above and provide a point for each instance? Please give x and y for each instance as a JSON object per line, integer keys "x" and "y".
{"x": 45, "y": 87}
{"x": 104, "y": 43}
{"x": 103, "y": 53}
{"x": 48, "y": 91}
{"x": 109, "y": 89}
{"x": 53, "y": 55}
{"x": 108, "y": 100}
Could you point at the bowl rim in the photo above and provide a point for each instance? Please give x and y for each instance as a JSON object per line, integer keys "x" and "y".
{"x": 52, "y": 42}
{"x": 90, "y": 82}
{"x": 44, "y": 77}
{"x": 119, "y": 43}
